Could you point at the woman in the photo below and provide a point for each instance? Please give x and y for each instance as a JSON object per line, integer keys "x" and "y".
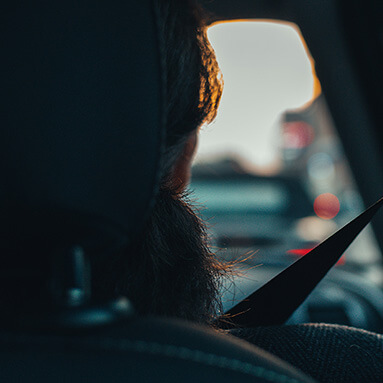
{"x": 171, "y": 271}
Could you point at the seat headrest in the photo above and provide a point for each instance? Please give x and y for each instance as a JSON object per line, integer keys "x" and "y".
{"x": 81, "y": 111}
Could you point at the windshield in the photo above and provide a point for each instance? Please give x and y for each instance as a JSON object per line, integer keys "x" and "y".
{"x": 273, "y": 156}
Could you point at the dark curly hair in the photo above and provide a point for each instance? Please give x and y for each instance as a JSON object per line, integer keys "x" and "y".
{"x": 193, "y": 78}
{"x": 171, "y": 271}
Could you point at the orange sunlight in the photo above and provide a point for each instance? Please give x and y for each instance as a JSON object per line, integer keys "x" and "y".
{"x": 267, "y": 70}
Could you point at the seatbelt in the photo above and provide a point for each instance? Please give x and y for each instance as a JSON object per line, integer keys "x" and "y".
{"x": 274, "y": 302}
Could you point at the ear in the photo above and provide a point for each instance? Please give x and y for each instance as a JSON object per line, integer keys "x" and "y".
{"x": 182, "y": 168}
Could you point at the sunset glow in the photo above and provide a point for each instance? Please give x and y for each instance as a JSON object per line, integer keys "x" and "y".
{"x": 266, "y": 70}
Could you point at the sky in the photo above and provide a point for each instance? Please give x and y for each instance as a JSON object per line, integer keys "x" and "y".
{"x": 266, "y": 71}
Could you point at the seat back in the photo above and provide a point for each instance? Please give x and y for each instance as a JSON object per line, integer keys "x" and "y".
{"x": 81, "y": 114}
{"x": 139, "y": 350}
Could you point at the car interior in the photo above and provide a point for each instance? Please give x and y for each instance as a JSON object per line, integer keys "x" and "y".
{"x": 79, "y": 179}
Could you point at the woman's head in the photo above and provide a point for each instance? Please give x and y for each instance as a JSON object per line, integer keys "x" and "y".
{"x": 170, "y": 269}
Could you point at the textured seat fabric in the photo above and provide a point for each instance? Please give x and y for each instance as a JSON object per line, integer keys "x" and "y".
{"x": 139, "y": 350}
{"x": 328, "y": 353}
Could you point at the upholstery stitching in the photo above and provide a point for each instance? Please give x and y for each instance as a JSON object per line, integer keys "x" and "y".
{"x": 201, "y": 357}
{"x": 178, "y": 352}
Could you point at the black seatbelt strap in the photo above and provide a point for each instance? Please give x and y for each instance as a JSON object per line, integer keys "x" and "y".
{"x": 275, "y": 301}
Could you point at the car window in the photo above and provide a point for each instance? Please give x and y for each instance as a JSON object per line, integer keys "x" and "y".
{"x": 273, "y": 156}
